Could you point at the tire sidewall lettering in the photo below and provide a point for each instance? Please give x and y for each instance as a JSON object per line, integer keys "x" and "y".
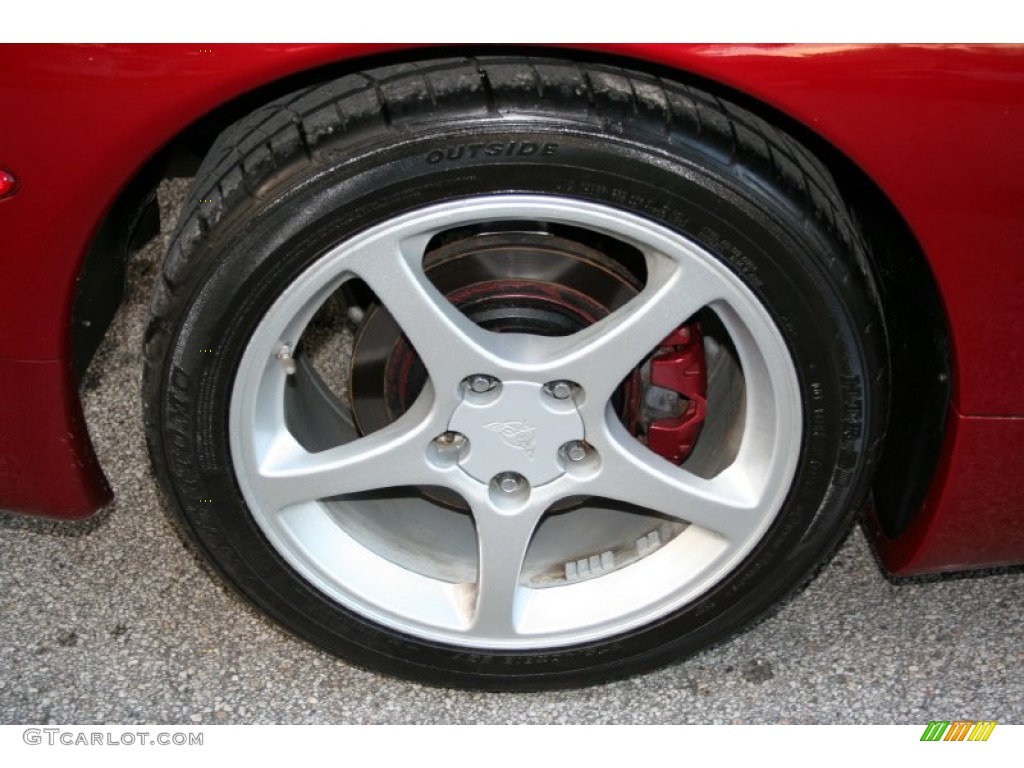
{"x": 498, "y": 149}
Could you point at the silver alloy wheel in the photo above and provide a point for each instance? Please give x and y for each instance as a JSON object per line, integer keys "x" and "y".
{"x": 302, "y": 500}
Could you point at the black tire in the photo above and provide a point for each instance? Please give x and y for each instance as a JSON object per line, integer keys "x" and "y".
{"x": 283, "y": 187}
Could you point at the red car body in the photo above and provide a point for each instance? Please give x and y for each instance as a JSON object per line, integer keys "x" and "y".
{"x": 930, "y": 134}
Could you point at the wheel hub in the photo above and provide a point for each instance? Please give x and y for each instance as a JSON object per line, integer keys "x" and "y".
{"x": 519, "y": 427}
{"x": 546, "y": 284}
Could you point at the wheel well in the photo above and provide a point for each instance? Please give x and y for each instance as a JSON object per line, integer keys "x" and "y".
{"x": 919, "y": 350}
{"x": 917, "y": 331}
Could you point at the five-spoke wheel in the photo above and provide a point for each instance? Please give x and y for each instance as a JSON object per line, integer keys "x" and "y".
{"x": 522, "y": 428}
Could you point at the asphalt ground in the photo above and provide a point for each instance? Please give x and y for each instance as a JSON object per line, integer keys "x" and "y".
{"x": 116, "y": 621}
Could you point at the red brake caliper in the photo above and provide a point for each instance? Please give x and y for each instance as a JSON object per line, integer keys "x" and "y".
{"x": 679, "y": 366}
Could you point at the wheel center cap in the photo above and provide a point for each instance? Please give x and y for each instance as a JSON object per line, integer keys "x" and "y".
{"x": 518, "y": 428}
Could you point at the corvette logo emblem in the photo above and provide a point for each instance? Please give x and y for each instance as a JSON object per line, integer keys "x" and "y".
{"x": 517, "y": 434}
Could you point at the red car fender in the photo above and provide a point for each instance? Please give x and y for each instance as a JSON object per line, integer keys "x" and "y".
{"x": 972, "y": 514}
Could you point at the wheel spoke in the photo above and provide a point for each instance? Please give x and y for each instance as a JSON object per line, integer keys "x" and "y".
{"x": 727, "y": 504}
{"x": 502, "y": 542}
{"x": 391, "y": 457}
{"x": 450, "y": 345}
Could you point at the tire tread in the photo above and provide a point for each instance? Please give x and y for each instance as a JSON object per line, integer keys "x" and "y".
{"x": 301, "y": 126}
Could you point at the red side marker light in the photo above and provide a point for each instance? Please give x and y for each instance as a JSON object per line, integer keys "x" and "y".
{"x": 8, "y": 184}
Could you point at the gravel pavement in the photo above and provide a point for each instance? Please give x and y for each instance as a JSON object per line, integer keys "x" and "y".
{"x": 115, "y": 621}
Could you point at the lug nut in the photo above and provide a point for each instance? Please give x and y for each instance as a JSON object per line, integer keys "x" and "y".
{"x": 576, "y": 450}
{"x": 448, "y": 449}
{"x": 450, "y": 439}
{"x": 560, "y": 390}
{"x": 481, "y": 383}
{"x": 508, "y": 482}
